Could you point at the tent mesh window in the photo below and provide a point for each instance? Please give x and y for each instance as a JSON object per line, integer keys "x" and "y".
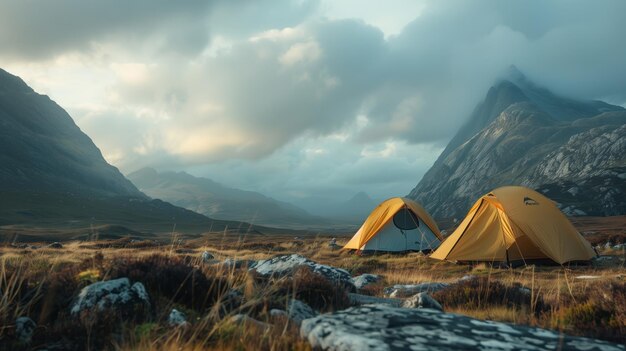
{"x": 405, "y": 219}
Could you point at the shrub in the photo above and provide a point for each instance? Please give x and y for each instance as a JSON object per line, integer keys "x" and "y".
{"x": 483, "y": 292}
{"x": 314, "y": 290}
{"x": 173, "y": 278}
{"x": 601, "y": 314}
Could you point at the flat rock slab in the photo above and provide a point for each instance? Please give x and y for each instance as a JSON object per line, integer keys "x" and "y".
{"x": 285, "y": 265}
{"x": 382, "y": 327}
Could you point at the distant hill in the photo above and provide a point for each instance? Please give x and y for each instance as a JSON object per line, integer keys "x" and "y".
{"x": 521, "y": 134}
{"x": 205, "y": 196}
{"x": 52, "y": 174}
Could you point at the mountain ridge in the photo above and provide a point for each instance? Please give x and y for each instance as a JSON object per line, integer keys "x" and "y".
{"x": 213, "y": 199}
{"x": 53, "y": 175}
{"x": 511, "y": 139}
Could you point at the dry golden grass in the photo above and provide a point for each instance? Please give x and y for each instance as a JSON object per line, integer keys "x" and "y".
{"x": 557, "y": 299}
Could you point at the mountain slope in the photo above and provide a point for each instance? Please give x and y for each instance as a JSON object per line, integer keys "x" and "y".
{"x": 522, "y": 134}
{"x": 52, "y": 175}
{"x": 42, "y": 149}
{"x": 205, "y": 196}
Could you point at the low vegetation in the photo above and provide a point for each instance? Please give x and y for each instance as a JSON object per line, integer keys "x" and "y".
{"x": 42, "y": 283}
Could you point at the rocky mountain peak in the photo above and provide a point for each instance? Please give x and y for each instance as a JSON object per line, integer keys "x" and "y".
{"x": 523, "y": 134}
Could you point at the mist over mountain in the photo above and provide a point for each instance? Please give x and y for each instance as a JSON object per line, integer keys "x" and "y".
{"x": 52, "y": 174}
{"x": 205, "y": 196}
{"x": 353, "y": 210}
{"x": 521, "y": 134}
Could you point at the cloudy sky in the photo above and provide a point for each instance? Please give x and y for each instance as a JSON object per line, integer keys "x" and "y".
{"x": 300, "y": 99}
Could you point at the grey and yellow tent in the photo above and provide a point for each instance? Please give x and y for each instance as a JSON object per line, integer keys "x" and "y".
{"x": 396, "y": 225}
{"x": 514, "y": 223}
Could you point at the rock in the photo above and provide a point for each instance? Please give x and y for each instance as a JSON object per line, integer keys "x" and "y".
{"x": 24, "y": 329}
{"x": 365, "y": 279}
{"x": 275, "y": 312}
{"x": 333, "y": 244}
{"x": 381, "y": 327}
{"x": 56, "y": 245}
{"x": 232, "y": 263}
{"x": 207, "y": 257}
{"x": 358, "y": 299}
{"x": 422, "y": 300}
{"x": 285, "y": 265}
{"x": 177, "y": 319}
{"x": 466, "y": 278}
{"x": 400, "y": 291}
{"x": 299, "y": 311}
{"x": 115, "y": 294}
{"x": 334, "y": 247}
{"x": 232, "y": 299}
{"x": 245, "y": 320}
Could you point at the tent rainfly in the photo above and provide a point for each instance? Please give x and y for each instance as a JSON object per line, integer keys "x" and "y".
{"x": 397, "y": 224}
{"x": 514, "y": 223}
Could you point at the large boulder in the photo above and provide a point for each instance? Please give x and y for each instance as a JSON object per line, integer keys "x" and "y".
{"x": 285, "y": 265}
{"x": 408, "y": 290}
{"x": 116, "y": 295}
{"x": 381, "y": 327}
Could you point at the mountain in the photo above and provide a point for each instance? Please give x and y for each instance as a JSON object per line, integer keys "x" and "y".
{"x": 205, "y": 196}
{"x": 52, "y": 174}
{"x": 521, "y": 134}
{"x": 42, "y": 149}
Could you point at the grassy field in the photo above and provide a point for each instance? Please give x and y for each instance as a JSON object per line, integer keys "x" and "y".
{"x": 41, "y": 283}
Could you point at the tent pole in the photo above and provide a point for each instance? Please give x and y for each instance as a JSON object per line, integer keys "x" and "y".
{"x": 507, "y": 258}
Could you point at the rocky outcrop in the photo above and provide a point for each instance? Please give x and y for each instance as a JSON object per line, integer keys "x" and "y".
{"x": 381, "y": 327}
{"x": 287, "y": 264}
{"x": 525, "y": 135}
{"x": 116, "y": 295}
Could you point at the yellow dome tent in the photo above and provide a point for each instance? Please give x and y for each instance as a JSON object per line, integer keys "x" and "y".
{"x": 514, "y": 223}
{"x": 397, "y": 224}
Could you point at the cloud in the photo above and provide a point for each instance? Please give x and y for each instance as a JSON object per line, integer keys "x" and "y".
{"x": 33, "y": 29}
{"x": 291, "y": 97}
